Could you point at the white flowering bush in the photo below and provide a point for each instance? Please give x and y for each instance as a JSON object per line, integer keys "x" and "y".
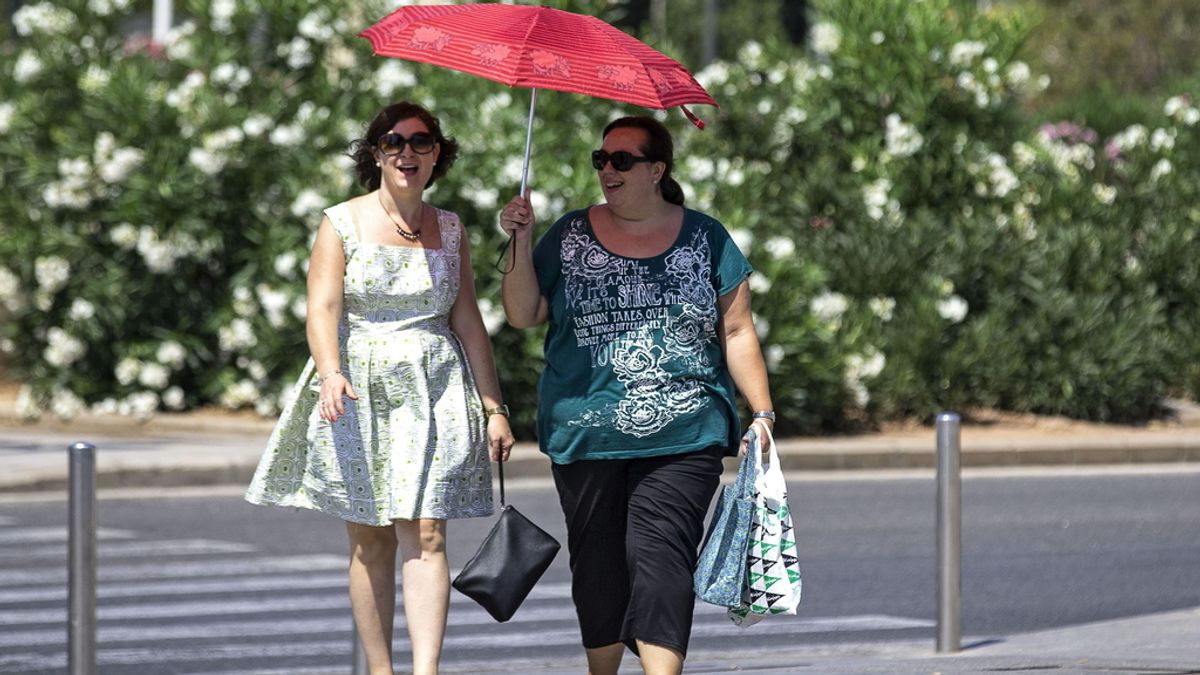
{"x": 941, "y": 251}
{"x": 917, "y": 243}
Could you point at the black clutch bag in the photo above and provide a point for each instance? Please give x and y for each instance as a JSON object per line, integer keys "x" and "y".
{"x": 511, "y": 559}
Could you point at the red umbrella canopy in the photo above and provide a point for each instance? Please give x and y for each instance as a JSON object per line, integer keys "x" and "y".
{"x": 538, "y": 47}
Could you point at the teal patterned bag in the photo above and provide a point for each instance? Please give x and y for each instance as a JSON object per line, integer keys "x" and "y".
{"x": 720, "y": 577}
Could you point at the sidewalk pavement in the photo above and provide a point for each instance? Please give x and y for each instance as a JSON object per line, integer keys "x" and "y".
{"x": 206, "y": 448}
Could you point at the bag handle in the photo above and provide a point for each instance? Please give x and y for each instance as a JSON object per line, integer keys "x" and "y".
{"x": 500, "y": 468}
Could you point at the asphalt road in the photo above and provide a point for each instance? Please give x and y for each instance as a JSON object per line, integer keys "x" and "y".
{"x": 187, "y": 585}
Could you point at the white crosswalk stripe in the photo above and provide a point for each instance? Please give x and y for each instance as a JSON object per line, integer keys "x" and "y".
{"x": 33, "y": 535}
{"x": 211, "y": 607}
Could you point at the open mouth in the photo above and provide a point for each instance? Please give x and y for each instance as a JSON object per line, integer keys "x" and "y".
{"x": 408, "y": 169}
{"x": 612, "y": 183}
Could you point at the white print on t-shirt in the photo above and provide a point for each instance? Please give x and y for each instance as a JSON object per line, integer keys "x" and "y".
{"x": 622, "y": 313}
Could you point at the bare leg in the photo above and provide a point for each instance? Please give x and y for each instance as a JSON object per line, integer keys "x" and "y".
{"x": 373, "y": 591}
{"x": 426, "y": 578}
{"x": 659, "y": 660}
{"x": 605, "y": 660}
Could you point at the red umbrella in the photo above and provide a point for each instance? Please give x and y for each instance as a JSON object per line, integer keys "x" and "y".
{"x": 541, "y": 48}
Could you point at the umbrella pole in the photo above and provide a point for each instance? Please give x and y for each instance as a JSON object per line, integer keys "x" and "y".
{"x": 528, "y": 142}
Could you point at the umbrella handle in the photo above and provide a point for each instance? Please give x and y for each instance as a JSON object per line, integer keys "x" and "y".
{"x": 511, "y": 244}
{"x": 528, "y": 142}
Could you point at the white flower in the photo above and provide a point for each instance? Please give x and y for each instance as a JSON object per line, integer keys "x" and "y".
{"x": 751, "y": 54}
{"x": 287, "y": 134}
{"x": 124, "y": 235}
{"x": 237, "y": 336}
{"x": 1191, "y": 116}
{"x": 108, "y": 406}
{"x": 208, "y": 162}
{"x": 493, "y": 316}
{"x": 953, "y": 309}
{"x": 94, "y": 79}
{"x": 1160, "y": 169}
{"x": 713, "y": 75}
{"x": 882, "y": 307}
{"x": 877, "y": 37}
{"x": 52, "y": 273}
{"x": 242, "y": 393}
{"x": 141, "y": 405}
{"x": 780, "y": 248}
{"x": 876, "y": 196}
{"x": 66, "y": 405}
{"x": 120, "y": 164}
{"x": 825, "y": 38}
{"x": 171, "y": 354}
{"x": 308, "y": 203}
{"x": 265, "y": 407}
{"x": 10, "y": 290}
{"x": 256, "y": 124}
{"x": 44, "y": 17}
{"x": 316, "y": 26}
{"x": 1175, "y": 105}
{"x": 990, "y": 65}
{"x": 1002, "y": 178}
{"x": 902, "y": 139}
{"x": 858, "y": 164}
{"x": 762, "y": 327}
{"x": 865, "y": 366}
{"x": 861, "y": 396}
{"x": 62, "y": 349}
{"x": 27, "y": 67}
{"x": 1162, "y": 139}
{"x": 178, "y": 43}
{"x": 222, "y": 15}
{"x": 392, "y": 76}
{"x": 81, "y": 310}
{"x": 297, "y": 52}
{"x": 154, "y": 376}
{"x": 173, "y": 398}
{"x": 127, "y": 370}
{"x": 300, "y": 308}
{"x": 1133, "y": 136}
{"x": 1105, "y": 194}
{"x": 965, "y": 52}
{"x": 285, "y": 264}
{"x": 274, "y": 303}
{"x": 773, "y": 355}
{"x": 829, "y": 306}
{"x": 27, "y": 407}
{"x": 1017, "y": 74}
{"x": 743, "y": 238}
{"x": 759, "y": 283}
{"x": 106, "y": 7}
{"x": 7, "y": 112}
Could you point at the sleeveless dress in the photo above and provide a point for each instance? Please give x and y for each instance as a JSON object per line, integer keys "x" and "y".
{"x": 414, "y": 443}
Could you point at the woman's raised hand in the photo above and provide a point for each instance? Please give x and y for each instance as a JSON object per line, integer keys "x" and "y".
{"x": 516, "y": 218}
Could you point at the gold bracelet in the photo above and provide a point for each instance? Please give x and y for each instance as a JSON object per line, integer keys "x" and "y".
{"x": 321, "y": 378}
{"x": 501, "y": 409}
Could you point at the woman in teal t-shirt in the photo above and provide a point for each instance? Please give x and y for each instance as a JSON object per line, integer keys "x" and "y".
{"x": 649, "y": 332}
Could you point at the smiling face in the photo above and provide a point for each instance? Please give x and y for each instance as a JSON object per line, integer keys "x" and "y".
{"x": 408, "y": 169}
{"x": 638, "y": 185}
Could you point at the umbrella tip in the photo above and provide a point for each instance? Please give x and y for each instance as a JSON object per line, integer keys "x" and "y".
{"x": 692, "y": 117}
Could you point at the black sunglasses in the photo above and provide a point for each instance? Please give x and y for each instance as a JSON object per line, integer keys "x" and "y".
{"x": 621, "y": 160}
{"x": 393, "y": 143}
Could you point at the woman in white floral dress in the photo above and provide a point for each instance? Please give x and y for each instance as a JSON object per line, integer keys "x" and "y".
{"x": 398, "y": 411}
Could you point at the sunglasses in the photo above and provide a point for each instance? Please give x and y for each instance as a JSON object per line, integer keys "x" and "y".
{"x": 393, "y": 143}
{"x": 621, "y": 160}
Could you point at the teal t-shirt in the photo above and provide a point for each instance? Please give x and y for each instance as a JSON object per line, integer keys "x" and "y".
{"x": 634, "y": 366}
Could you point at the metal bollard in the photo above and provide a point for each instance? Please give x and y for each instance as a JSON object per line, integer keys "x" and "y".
{"x": 360, "y": 655}
{"x": 81, "y": 555}
{"x": 949, "y": 533}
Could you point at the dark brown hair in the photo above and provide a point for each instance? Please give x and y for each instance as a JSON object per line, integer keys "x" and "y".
{"x": 362, "y": 150}
{"x": 658, "y": 147}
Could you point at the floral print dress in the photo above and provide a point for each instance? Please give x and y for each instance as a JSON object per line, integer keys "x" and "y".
{"x": 414, "y": 444}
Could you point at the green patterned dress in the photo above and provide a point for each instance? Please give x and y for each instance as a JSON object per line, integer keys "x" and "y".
{"x": 414, "y": 444}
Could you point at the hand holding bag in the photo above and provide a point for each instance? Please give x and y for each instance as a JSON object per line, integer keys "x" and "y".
{"x": 511, "y": 559}
{"x": 721, "y": 571}
{"x": 773, "y": 569}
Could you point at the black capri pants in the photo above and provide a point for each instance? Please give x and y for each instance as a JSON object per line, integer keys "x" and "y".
{"x": 633, "y": 530}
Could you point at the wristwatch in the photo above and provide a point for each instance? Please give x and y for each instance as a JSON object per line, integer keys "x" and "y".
{"x": 501, "y": 409}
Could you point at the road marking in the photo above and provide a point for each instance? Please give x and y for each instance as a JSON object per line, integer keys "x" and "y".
{"x": 216, "y": 568}
{"x": 34, "y": 535}
{"x": 332, "y": 580}
{"x": 457, "y": 640}
{"x": 137, "y": 549}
